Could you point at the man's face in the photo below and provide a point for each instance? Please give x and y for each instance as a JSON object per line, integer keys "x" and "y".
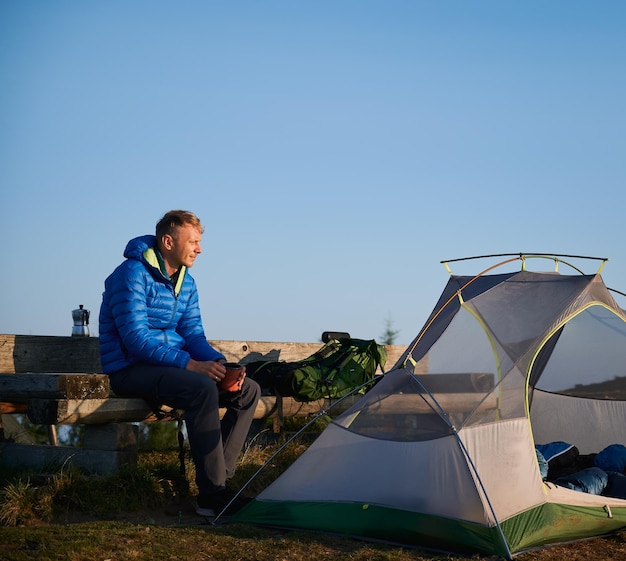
{"x": 184, "y": 246}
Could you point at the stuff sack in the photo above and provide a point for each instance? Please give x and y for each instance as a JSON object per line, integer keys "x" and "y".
{"x": 336, "y": 369}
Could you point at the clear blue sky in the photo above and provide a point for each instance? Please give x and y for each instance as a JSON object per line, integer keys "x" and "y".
{"x": 336, "y": 151}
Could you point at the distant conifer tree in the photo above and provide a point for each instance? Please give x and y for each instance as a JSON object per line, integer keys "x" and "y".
{"x": 389, "y": 335}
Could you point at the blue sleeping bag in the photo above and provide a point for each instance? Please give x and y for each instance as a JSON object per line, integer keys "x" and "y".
{"x": 592, "y": 480}
{"x": 554, "y": 451}
{"x": 616, "y": 486}
{"x": 612, "y": 458}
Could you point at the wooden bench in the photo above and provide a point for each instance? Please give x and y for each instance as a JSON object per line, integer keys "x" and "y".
{"x": 58, "y": 381}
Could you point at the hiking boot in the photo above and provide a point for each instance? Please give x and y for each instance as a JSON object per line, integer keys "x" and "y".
{"x": 214, "y": 504}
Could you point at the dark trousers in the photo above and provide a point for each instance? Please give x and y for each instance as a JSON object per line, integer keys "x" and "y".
{"x": 215, "y": 445}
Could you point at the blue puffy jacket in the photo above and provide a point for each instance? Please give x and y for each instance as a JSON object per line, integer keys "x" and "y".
{"x": 145, "y": 318}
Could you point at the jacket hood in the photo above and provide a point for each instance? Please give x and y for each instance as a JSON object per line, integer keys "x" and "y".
{"x": 135, "y": 248}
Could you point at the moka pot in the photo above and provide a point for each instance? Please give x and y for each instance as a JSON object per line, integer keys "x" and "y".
{"x": 81, "y": 322}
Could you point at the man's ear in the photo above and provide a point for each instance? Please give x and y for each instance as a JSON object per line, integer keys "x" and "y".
{"x": 167, "y": 241}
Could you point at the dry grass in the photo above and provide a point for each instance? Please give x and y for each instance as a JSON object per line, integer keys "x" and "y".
{"x": 117, "y": 541}
{"x": 142, "y": 542}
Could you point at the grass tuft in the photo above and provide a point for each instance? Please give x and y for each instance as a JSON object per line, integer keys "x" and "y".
{"x": 28, "y": 498}
{"x": 18, "y": 503}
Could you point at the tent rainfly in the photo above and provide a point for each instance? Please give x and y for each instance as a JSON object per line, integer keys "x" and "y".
{"x": 485, "y": 435}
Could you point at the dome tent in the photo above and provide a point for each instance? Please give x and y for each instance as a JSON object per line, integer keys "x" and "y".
{"x": 443, "y": 451}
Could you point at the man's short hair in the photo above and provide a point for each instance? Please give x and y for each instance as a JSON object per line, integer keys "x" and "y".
{"x": 175, "y": 219}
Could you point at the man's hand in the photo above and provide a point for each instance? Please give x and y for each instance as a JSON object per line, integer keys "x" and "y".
{"x": 214, "y": 370}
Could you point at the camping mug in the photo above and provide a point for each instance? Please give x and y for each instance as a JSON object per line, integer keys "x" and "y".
{"x": 233, "y": 380}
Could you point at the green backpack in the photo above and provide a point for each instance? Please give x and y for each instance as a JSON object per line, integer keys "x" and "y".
{"x": 331, "y": 372}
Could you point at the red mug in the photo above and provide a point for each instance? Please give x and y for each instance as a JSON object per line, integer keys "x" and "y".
{"x": 235, "y": 373}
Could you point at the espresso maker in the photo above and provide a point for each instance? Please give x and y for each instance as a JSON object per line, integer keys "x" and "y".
{"x": 81, "y": 322}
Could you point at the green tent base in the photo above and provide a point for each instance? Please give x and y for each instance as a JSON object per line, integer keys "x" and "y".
{"x": 376, "y": 523}
{"x": 541, "y": 526}
{"x": 558, "y": 523}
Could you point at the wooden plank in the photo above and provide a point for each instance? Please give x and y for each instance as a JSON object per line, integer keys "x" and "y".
{"x": 36, "y": 457}
{"x": 251, "y": 351}
{"x": 127, "y": 410}
{"x": 41, "y": 353}
{"x": 88, "y": 411}
{"x": 20, "y": 388}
